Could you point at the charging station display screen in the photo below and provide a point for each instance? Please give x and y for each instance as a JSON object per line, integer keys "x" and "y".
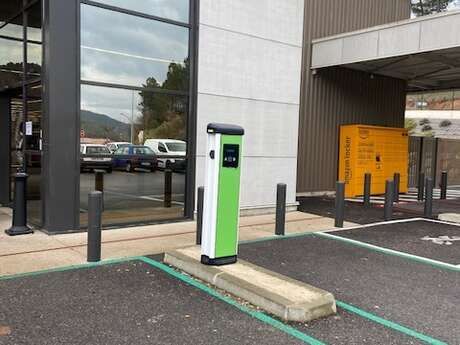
{"x": 231, "y": 156}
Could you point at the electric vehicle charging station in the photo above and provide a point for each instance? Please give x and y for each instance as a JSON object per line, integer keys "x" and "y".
{"x": 222, "y": 194}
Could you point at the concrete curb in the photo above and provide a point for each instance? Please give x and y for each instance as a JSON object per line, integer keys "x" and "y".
{"x": 450, "y": 217}
{"x": 279, "y": 295}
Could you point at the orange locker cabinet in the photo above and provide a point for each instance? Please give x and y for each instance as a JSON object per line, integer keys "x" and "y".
{"x": 381, "y": 151}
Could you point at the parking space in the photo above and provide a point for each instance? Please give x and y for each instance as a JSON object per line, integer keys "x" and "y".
{"x": 392, "y": 299}
{"x": 439, "y": 206}
{"x": 134, "y": 302}
{"x": 427, "y": 239}
{"x": 355, "y": 212}
{"x": 383, "y": 296}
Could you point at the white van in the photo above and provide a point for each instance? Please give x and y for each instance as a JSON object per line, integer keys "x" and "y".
{"x": 168, "y": 147}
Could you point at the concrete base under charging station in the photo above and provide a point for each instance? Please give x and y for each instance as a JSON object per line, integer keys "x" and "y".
{"x": 279, "y": 295}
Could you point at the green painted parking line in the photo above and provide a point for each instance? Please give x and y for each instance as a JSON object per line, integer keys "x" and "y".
{"x": 383, "y": 250}
{"x": 253, "y": 313}
{"x": 389, "y": 324}
{"x": 67, "y": 268}
{"x": 190, "y": 281}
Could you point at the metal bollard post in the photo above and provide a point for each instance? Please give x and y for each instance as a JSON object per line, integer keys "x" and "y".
{"x": 367, "y": 190}
{"x": 168, "y": 188}
{"x": 428, "y": 210}
{"x": 94, "y": 226}
{"x": 339, "y": 204}
{"x": 19, "y": 226}
{"x": 388, "y": 208}
{"x": 99, "y": 180}
{"x": 421, "y": 186}
{"x": 280, "y": 209}
{"x": 99, "y": 183}
{"x": 199, "y": 215}
{"x": 397, "y": 182}
{"x": 444, "y": 185}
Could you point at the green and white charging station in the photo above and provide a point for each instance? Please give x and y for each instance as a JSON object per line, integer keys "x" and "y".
{"x": 221, "y": 194}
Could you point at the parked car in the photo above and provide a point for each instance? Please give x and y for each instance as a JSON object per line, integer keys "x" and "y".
{"x": 134, "y": 157}
{"x": 94, "y": 156}
{"x": 116, "y": 145}
{"x": 166, "y": 148}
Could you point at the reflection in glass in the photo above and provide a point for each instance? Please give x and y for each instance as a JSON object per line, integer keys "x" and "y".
{"x": 124, "y": 121}
{"x": 34, "y": 60}
{"x": 34, "y": 154}
{"x": 170, "y": 9}
{"x": 34, "y": 19}
{"x": 114, "y": 49}
{"x": 12, "y": 30}
{"x": 10, "y": 62}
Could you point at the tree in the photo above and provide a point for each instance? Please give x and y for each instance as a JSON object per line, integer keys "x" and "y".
{"x": 425, "y": 7}
{"x": 163, "y": 114}
{"x": 410, "y": 125}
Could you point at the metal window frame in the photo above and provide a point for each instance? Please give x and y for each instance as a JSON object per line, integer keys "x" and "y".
{"x": 140, "y": 14}
{"x": 191, "y": 124}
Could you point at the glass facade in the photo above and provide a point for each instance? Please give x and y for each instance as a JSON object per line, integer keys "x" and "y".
{"x": 135, "y": 81}
{"x": 427, "y": 7}
{"x": 20, "y": 83}
{"x": 177, "y": 10}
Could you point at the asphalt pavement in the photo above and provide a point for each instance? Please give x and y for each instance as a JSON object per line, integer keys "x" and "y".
{"x": 427, "y": 239}
{"x": 405, "y": 296}
{"x": 354, "y": 212}
{"x": 125, "y": 303}
{"x": 139, "y": 188}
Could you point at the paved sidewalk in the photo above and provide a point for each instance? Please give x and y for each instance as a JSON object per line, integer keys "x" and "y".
{"x": 40, "y": 251}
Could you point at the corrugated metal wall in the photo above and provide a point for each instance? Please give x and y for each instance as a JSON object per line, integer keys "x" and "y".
{"x": 336, "y": 96}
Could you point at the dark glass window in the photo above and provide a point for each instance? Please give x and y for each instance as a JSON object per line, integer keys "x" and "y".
{"x": 10, "y": 63}
{"x": 97, "y": 150}
{"x": 171, "y": 9}
{"x": 176, "y": 147}
{"x": 25, "y": 94}
{"x": 142, "y": 151}
{"x": 128, "y": 50}
{"x": 134, "y": 190}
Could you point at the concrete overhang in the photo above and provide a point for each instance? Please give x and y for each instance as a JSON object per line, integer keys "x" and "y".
{"x": 424, "y": 51}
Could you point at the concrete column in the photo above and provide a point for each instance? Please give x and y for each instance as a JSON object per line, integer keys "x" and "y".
{"x": 61, "y": 121}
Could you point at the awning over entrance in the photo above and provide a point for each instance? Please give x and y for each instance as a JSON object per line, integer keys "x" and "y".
{"x": 424, "y": 51}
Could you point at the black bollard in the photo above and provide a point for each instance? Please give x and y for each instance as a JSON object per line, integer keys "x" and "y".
{"x": 19, "y": 226}
{"x": 421, "y": 186}
{"x": 443, "y": 185}
{"x": 168, "y": 188}
{"x": 99, "y": 183}
{"x": 388, "y": 208}
{"x": 99, "y": 180}
{"x": 367, "y": 190}
{"x": 94, "y": 226}
{"x": 199, "y": 215}
{"x": 428, "y": 210}
{"x": 396, "y": 181}
{"x": 280, "y": 209}
{"x": 339, "y": 204}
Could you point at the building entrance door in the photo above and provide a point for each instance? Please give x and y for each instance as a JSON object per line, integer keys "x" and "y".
{"x": 21, "y": 146}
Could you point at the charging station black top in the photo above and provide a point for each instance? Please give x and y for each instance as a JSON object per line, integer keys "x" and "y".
{"x": 224, "y": 128}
